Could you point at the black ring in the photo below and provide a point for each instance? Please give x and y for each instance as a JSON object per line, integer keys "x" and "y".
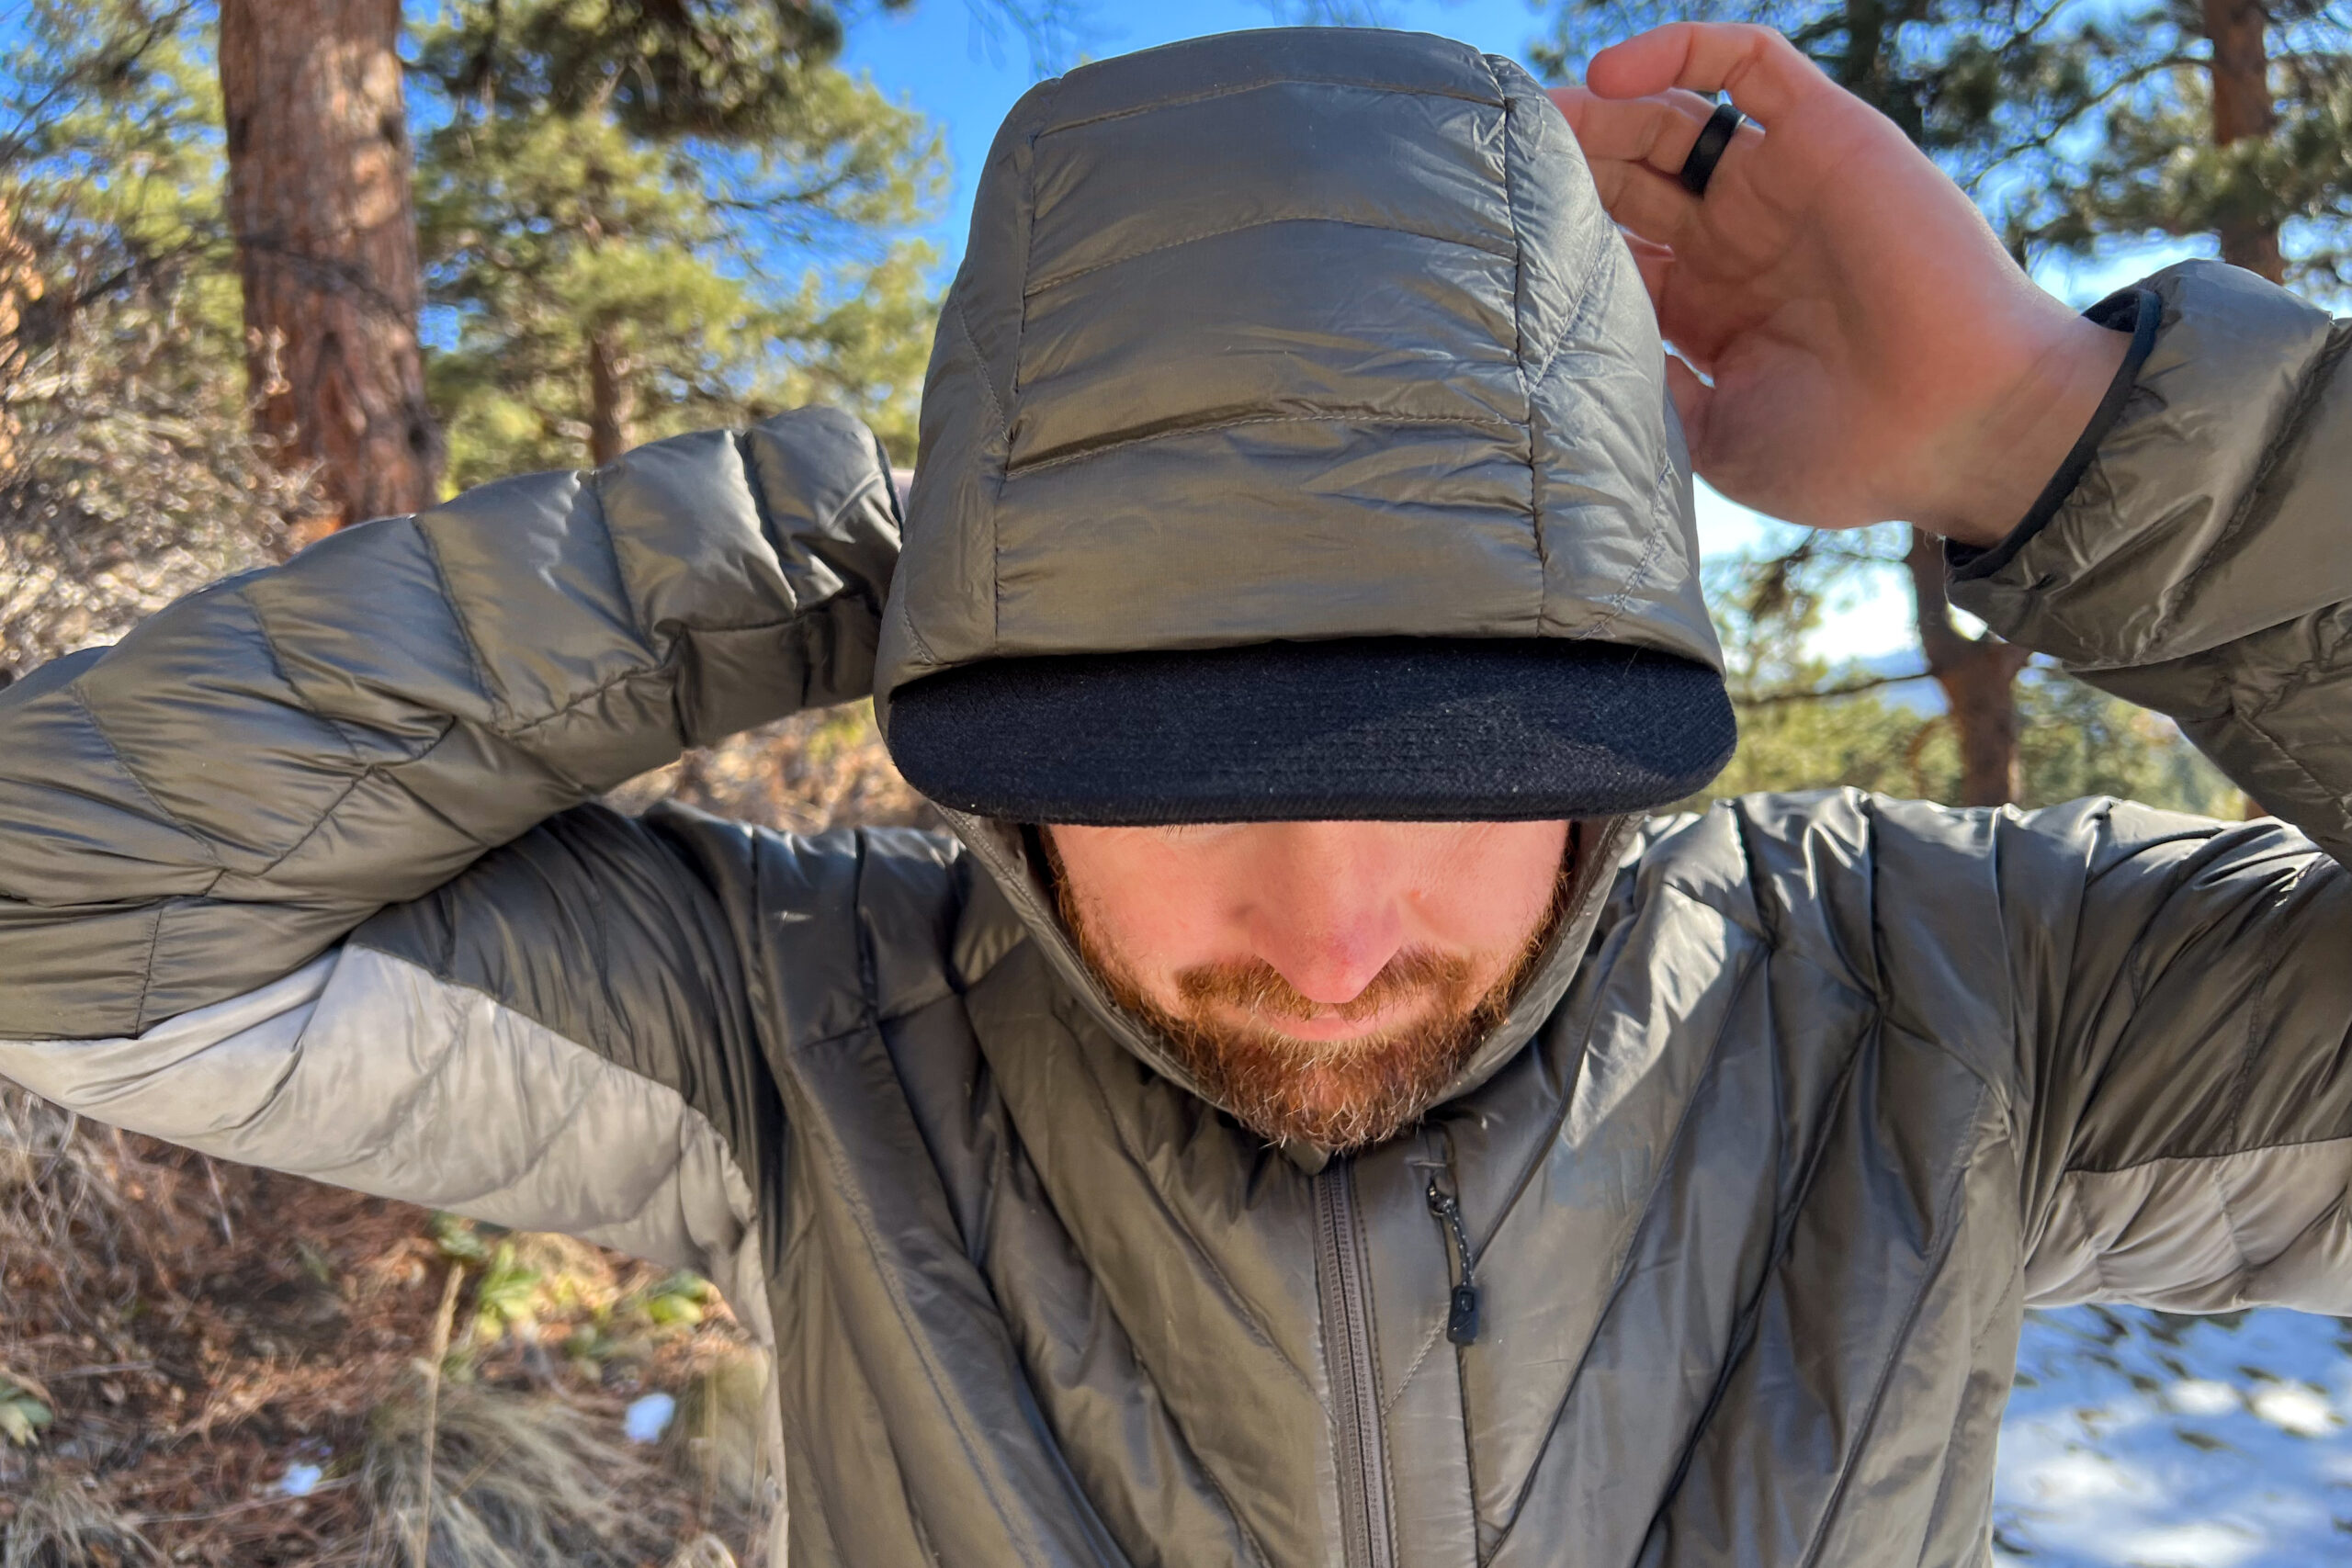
{"x": 1708, "y": 150}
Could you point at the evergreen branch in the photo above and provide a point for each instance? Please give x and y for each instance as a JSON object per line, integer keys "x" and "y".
{"x": 108, "y": 61}
{"x": 1826, "y": 693}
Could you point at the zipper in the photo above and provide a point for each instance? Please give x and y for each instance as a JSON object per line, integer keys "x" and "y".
{"x": 1461, "y": 1308}
{"x": 1366, "y": 1536}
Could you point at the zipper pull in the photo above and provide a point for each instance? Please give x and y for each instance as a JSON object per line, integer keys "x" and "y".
{"x": 1462, "y": 1312}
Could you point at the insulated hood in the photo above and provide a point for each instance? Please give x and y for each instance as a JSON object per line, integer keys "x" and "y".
{"x": 1284, "y": 336}
{"x": 1307, "y": 333}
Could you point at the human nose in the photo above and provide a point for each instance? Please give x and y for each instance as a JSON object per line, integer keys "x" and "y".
{"x": 1326, "y": 912}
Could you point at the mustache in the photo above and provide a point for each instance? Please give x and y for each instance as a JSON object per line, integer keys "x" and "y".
{"x": 1257, "y": 988}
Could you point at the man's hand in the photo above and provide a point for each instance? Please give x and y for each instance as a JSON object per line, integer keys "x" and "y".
{"x": 1855, "y": 346}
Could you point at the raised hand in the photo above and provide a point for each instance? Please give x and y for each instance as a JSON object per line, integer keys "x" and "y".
{"x": 1854, "y": 345}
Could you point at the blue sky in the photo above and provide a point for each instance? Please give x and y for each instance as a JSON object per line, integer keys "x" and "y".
{"x": 936, "y": 57}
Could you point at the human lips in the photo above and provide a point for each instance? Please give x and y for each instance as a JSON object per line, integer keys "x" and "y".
{"x": 1340, "y": 1024}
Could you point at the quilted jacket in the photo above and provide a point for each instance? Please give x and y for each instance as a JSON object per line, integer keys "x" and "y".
{"x": 1808, "y": 1102}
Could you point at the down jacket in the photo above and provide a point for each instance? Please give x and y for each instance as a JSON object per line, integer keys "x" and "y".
{"x": 1812, "y": 1096}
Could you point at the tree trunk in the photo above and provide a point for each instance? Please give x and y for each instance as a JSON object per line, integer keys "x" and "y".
{"x": 20, "y": 286}
{"x": 321, "y": 204}
{"x": 1861, "y": 70}
{"x": 1978, "y": 675}
{"x": 2243, "y": 108}
{"x": 612, "y": 396}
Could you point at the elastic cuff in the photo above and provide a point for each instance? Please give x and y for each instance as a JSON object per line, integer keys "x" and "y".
{"x": 2136, "y": 310}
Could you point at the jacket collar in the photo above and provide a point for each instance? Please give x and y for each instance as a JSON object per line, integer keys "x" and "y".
{"x": 1016, "y": 885}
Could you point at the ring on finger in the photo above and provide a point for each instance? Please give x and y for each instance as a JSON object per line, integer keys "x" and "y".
{"x": 1708, "y": 150}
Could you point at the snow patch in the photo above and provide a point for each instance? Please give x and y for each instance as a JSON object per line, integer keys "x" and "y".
{"x": 648, "y": 1418}
{"x": 2142, "y": 1439}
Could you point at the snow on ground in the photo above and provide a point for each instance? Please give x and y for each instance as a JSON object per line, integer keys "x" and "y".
{"x": 2145, "y": 1440}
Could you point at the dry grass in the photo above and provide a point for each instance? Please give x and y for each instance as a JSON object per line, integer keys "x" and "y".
{"x": 519, "y": 1479}
{"x": 197, "y": 1329}
{"x": 61, "y": 1524}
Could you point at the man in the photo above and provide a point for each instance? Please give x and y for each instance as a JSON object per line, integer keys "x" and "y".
{"x": 1307, "y": 1115}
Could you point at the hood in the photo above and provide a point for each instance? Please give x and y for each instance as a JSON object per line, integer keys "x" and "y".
{"x": 1016, "y": 877}
{"x": 1299, "y": 334}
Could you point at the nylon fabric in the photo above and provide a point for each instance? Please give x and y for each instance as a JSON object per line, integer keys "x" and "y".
{"x": 1409, "y": 344}
{"x": 289, "y": 1077}
{"x": 2167, "y": 1233}
{"x": 1809, "y": 1098}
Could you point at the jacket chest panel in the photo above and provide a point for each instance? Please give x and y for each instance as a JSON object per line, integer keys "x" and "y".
{"x": 1159, "y": 1270}
{"x": 1860, "y": 1368}
{"x": 1702, "y": 1239}
{"x": 1602, "y": 1338}
{"x": 909, "y": 1419}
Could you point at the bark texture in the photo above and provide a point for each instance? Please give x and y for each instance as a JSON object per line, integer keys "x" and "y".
{"x": 320, "y": 202}
{"x": 21, "y": 287}
{"x": 612, "y": 396}
{"x": 1978, "y": 675}
{"x": 2243, "y": 108}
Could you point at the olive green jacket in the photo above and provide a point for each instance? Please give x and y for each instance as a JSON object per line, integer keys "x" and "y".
{"x": 1809, "y": 1100}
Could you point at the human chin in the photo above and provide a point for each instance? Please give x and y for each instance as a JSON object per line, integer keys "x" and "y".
{"x": 1335, "y": 1031}
{"x": 1335, "y": 1095}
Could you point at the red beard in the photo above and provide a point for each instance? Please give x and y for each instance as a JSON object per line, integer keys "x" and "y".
{"x": 1336, "y": 1095}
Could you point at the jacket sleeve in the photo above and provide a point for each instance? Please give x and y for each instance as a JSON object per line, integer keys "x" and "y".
{"x": 300, "y": 873}
{"x": 2185, "y": 991}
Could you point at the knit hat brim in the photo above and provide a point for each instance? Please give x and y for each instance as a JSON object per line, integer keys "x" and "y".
{"x": 1378, "y": 728}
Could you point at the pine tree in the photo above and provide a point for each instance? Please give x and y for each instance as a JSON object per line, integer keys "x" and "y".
{"x": 625, "y": 249}
{"x": 319, "y": 198}
{"x": 722, "y": 70}
{"x": 2236, "y": 122}
{"x": 128, "y": 471}
{"x": 1806, "y": 722}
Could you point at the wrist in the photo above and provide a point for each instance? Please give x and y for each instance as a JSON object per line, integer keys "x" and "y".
{"x": 2005, "y": 452}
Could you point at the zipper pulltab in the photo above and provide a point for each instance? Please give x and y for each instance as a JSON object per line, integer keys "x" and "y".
{"x": 1462, "y": 1312}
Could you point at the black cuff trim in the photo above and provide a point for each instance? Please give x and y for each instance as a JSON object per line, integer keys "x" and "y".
{"x": 2138, "y": 311}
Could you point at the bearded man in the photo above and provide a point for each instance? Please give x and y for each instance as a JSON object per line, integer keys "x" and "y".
{"x": 1309, "y": 1112}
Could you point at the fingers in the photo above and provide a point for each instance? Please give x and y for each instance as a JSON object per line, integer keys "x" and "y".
{"x": 1657, "y": 131}
{"x": 1765, "y": 75}
{"x": 1654, "y": 132}
{"x": 1633, "y": 149}
{"x": 1646, "y": 203}
{"x": 1655, "y": 262}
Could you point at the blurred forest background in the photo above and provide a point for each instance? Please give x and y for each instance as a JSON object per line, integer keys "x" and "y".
{"x": 270, "y": 267}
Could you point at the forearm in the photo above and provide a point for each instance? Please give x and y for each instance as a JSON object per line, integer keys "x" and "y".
{"x": 257, "y": 769}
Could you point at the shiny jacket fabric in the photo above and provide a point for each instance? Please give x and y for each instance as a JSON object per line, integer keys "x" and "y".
{"x": 1812, "y": 1096}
